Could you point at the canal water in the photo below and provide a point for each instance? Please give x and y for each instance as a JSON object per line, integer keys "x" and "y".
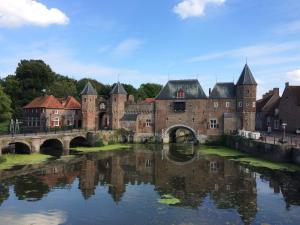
{"x": 127, "y": 187}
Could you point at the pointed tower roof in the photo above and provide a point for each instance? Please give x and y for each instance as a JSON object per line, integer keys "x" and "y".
{"x": 118, "y": 88}
{"x": 89, "y": 89}
{"x": 246, "y": 77}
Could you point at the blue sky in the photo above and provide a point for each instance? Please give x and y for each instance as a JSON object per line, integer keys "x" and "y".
{"x": 153, "y": 41}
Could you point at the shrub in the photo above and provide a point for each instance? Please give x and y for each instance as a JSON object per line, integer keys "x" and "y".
{"x": 99, "y": 143}
{"x": 2, "y": 159}
{"x": 111, "y": 142}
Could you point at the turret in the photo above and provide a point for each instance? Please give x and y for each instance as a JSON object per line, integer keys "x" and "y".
{"x": 246, "y": 99}
{"x": 118, "y": 98}
{"x": 88, "y": 107}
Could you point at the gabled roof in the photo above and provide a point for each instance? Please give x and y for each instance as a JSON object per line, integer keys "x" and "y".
{"x": 223, "y": 90}
{"x": 48, "y": 101}
{"x": 129, "y": 117}
{"x": 246, "y": 77}
{"x": 118, "y": 88}
{"x": 89, "y": 90}
{"x": 72, "y": 103}
{"x": 191, "y": 88}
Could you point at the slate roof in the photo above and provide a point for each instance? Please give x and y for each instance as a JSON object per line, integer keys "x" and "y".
{"x": 118, "y": 88}
{"x": 129, "y": 117}
{"x": 191, "y": 88}
{"x": 89, "y": 90}
{"x": 246, "y": 77}
{"x": 223, "y": 90}
{"x": 47, "y": 101}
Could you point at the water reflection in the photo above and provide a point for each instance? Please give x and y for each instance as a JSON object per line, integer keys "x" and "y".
{"x": 191, "y": 178}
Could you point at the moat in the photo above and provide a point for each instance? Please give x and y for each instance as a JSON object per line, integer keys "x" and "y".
{"x": 127, "y": 186}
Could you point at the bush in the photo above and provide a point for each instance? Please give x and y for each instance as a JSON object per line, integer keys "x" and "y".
{"x": 99, "y": 143}
{"x": 2, "y": 159}
{"x": 111, "y": 142}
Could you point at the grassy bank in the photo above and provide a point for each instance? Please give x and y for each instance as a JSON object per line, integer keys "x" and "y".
{"x": 11, "y": 160}
{"x": 244, "y": 158}
{"x": 103, "y": 148}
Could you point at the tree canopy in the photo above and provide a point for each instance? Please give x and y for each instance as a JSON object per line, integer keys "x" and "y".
{"x": 5, "y": 107}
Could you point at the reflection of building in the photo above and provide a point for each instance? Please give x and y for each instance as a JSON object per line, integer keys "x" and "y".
{"x": 227, "y": 184}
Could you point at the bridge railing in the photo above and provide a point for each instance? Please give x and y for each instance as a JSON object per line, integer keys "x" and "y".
{"x": 39, "y": 131}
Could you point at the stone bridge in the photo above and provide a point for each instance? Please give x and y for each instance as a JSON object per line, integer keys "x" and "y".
{"x": 34, "y": 142}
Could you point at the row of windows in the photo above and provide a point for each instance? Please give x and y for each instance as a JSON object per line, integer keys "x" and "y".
{"x": 240, "y": 104}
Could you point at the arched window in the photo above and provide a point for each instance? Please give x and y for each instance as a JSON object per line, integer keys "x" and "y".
{"x": 180, "y": 93}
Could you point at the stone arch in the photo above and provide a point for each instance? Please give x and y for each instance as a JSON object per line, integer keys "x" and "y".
{"x": 167, "y": 132}
{"x": 52, "y": 146}
{"x": 77, "y": 141}
{"x": 18, "y": 147}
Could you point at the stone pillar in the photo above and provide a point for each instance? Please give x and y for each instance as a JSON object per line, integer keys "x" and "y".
{"x": 66, "y": 145}
{"x": 35, "y": 145}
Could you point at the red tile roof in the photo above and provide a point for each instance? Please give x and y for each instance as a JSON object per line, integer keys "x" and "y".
{"x": 149, "y": 100}
{"x": 72, "y": 103}
{"x": 48, "y": 101}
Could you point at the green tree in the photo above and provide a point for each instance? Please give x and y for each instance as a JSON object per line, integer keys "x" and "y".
{"x": 148, "y": 90}
{"x": 131, "y": 90}
{"x": 12, "y": 87}
{"x": 5, "y": 109}
{"x": 34, "y": 77}
{"x": 63, "y": 87}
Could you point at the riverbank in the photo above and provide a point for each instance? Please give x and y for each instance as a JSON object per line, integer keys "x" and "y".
{"x": 247, "y": 159}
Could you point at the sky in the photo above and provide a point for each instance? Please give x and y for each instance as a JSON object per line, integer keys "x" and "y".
{"x": 139, "y": 41}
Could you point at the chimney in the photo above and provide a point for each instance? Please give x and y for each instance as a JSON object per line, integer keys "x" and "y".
{"x": 209, "y": 91}
{"x": 287, "y": 84}
{"x": 276, "y": 91}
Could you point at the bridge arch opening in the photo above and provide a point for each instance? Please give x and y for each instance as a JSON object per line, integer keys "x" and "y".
{"x": 52, "y": 147}
{"x": 78, "y": 142}
{"x": 17, "y": 148}
{"x": 181, "y": 134}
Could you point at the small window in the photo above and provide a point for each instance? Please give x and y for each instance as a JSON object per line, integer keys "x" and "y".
{"x": 213, "y": 124}
{"x": 102, "y": 106}
{"x": 180, "y": 93}
{"x": 148, "y": 123}
{"x": 148, "y": 163}
{"x": 253, "y": 104}
{"x": 56, "y": 122}
{"x": 56, "y": 112}
{"x": 247, "y": 103}
{"x": 216, "y": 104}
{"x": 179, "y": 106}
{"x": 227, "y": 104}
{"x": 213, "y": 167}
{"x": 84, "y": 99}
{"x": 240, "y": 104}
{"x": 276, "y": 124}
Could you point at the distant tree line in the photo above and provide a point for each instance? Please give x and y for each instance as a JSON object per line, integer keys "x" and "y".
{"x": 34, "y": 78}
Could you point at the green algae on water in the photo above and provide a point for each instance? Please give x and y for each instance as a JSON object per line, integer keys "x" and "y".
{"x": 221, "y": 151}
{"x": 168, "y": 199}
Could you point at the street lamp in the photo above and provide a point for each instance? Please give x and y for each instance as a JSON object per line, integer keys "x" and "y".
{"x": 283, "y": 134}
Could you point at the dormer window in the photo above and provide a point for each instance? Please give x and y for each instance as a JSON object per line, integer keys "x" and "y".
{"x": 180, "y": 93}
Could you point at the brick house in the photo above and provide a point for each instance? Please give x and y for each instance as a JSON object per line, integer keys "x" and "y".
{"x": 49, "y": 112}
{"x": 267, "y": 111}
{"x": 289, "y": 108}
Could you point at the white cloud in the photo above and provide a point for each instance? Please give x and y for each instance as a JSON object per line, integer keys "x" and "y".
{"x": 15, "y": 13}
{"x": 194, "y": 8}
{"x": 126, "y": 47}
{"x": 294, "y": 75}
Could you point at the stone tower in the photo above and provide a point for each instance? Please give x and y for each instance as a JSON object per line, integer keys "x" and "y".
{"x": 246, "y": 99}
{"x": 89, "y": 107}
{"x": 118, "y": 98}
